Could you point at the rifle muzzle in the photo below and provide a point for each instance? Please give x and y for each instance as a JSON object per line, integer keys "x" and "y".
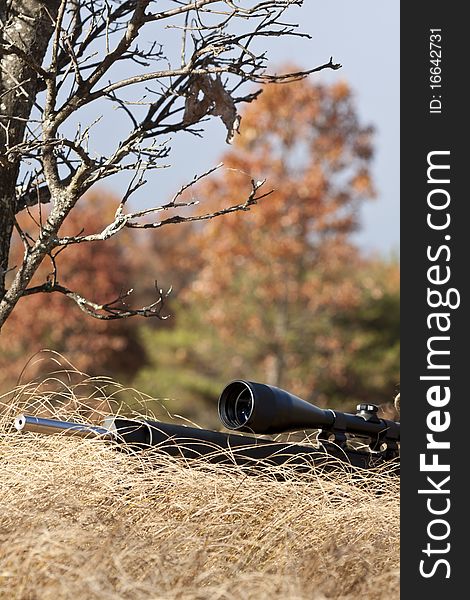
{"x": 49, "y": 426}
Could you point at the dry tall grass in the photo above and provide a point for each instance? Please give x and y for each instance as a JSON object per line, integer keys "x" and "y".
{"x": 80, "y": 520}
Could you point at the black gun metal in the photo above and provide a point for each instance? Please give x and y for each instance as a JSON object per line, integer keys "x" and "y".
{"x": 257, "y": 408}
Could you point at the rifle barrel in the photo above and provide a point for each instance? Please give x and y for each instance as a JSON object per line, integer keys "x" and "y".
{"x": 54, "y": 426}
{"x": 213, "y": 446}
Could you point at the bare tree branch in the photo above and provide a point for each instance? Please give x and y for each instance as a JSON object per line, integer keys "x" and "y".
{"x": 110, "y": 311}
{"x": 59, "y": 57}
{"x": 122, "y": 220}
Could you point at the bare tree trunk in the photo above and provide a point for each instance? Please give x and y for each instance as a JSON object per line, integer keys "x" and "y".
{"x": 275, "y": 367}
{"x": 28, "y": 26}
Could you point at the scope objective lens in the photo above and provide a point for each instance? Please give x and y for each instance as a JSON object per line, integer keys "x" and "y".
{"x": 243, "y": 407}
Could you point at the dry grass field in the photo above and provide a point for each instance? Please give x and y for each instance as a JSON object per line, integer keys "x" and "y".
{"x": 79, "y": 520}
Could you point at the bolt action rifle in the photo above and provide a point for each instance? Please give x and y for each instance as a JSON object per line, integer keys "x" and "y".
{"x": 255, "y": 408}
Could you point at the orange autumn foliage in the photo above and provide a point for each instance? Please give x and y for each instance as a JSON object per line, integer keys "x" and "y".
{"x": 100, "y": 271}
{"x": 274, "y": 278}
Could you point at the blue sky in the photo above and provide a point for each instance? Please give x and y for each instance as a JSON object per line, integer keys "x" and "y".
{"x": 364, "y": 36}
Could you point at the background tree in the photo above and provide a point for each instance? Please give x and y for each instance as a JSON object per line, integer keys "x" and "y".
{"x": 285, "y": 269}
{"x": 63, "y": 60}
{"x": 189, "y": 361}
{"x": 282, "y": 295}
{"x": 106, "y": 347}
{"x": 373, "y": 365}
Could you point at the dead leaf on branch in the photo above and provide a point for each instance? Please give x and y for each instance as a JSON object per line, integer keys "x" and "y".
{"x": 215, "y": 100}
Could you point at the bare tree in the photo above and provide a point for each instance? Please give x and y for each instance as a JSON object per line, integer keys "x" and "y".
{"x": 59, "y": 58}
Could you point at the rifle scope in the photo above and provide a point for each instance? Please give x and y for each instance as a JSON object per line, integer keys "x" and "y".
{"x": 261, "y": 408}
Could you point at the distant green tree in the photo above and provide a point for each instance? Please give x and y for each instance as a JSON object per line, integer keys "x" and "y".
{"x": 187, "y": 366}
{"x": 191, "y": 362}
{"x": 373, "y": 367}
